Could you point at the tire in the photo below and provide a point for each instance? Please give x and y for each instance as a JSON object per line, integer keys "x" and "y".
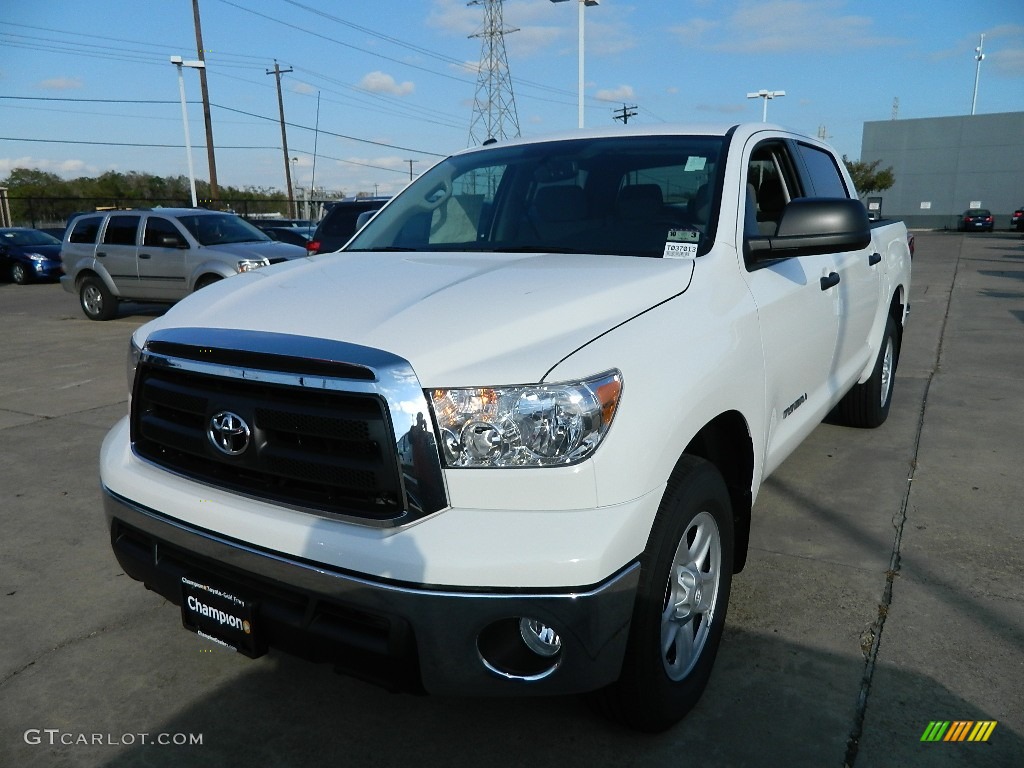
{"x": 866, "y": 406}
{"x": 19, "y": 274}
{"x": 98, "y": 303}
{"x": 670, "y": 653}
{"x": 206, "y": 280}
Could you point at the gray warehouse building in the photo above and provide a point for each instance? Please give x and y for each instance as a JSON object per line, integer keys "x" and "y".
{"x": 945, "y": 165}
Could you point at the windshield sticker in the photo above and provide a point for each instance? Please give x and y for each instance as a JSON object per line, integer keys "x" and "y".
{"x": 695, "y": 163}
{"x": 681, "y": 244}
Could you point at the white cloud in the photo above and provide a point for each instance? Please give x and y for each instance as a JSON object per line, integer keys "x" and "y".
{"x": 66, "y": 168}
{"x": 61, "y": 83}
{"x": 379, "y": 82}
{"x": 779, "y": 26}
{"x": 622, "y": 93}
{"x": 301, "y": 87}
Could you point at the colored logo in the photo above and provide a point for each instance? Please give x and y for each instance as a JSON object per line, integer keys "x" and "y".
{"x": 958, "y": 730}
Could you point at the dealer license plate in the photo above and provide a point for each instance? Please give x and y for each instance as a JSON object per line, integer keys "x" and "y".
{"x": 218, "y": 613}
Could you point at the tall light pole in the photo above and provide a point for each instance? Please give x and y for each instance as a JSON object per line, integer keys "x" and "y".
{"x": 979, "y": 56}
{"x": 177, "y": 61}
{"x": 766, "y": 95}
{"x": 582, "y": 3}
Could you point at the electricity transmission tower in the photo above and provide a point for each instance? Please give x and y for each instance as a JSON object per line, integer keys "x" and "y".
{"x": 494, "y": 107}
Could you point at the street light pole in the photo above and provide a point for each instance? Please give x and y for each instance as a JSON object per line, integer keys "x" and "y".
{"x": 177, "y": 61}
{"x": 766, "y": 95}
{"x": 979, "y": 56}
{"x": 582, "y": 3}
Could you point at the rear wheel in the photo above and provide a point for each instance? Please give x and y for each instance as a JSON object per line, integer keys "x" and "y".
{"x": 98, "y": 303}
{"x": 867, "y": 404}
{"x": 685, "y": 580}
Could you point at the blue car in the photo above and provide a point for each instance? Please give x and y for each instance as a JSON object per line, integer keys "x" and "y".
{"x": 28, "y": 255}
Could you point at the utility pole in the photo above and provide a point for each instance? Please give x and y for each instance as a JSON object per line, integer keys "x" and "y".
{"x": 624, "y": 114}
{"x": 214, "y": 190}
{"x": 410, "y": 167}
{"x": 277, "y": 72}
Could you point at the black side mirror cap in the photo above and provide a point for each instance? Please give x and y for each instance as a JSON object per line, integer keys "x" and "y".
{"x": 813, "y": 225}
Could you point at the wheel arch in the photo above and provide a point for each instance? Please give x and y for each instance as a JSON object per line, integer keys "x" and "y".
{"x": 726, "y": 443}
{"x": 87, "y": 272}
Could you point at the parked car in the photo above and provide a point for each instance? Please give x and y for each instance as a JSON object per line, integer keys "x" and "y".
{"x": 976, "y": 220}
{"x": 1017, "y": 219}
{"x": 159, "y": 255}
{"x": 295, "y": 235}
{"x": 57, "y": 232}
{"x": 278, "y": 222}
{"x": 28, "y": 255}
{"x": 341, "y": 222}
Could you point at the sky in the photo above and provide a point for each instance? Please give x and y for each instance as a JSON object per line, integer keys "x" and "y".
{"x": 379, "y": 90}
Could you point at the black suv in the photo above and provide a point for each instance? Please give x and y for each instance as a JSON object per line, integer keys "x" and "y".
{"x": 341, "y": 222}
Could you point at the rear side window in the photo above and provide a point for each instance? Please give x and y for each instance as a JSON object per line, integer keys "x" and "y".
{"x": 341, "y": 220}
{"x": 121, "y": 230}
{"x": 826, "y": 179}
{"x": 161, "y": 233}
{"x": 85, "y": 229}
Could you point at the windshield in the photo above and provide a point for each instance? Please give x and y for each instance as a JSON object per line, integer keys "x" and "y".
{"x": 27, "y": 237}
{"x": 221, "y": 228}
{"x": 630, "y": 195}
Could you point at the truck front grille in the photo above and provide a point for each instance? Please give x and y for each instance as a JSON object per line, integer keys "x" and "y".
{"x": 289, "y": 439}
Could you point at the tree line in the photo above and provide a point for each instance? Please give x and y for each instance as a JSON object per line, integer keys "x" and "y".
{"x": 38, "y": 197}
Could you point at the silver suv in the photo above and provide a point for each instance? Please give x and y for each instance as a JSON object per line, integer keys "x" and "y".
{"x": 159, "y": 255}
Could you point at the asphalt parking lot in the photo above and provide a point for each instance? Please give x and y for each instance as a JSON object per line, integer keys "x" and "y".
{"x": 884, "y": 588}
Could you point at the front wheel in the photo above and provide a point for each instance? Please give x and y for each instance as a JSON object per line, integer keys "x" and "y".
{"x": 20, "y": 275}
{"x": 867, "y": 404}
{"x": 682, "y": 598}
{"x": 206, "y": 280}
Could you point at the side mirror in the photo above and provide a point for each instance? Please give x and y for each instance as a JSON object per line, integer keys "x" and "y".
{"x": 813, "y": 225}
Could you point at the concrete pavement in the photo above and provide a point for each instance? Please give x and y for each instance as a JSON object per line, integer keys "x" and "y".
{"x": 884, "y": 588}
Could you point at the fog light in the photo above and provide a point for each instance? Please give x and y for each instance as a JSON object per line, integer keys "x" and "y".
{"x": 539, "y": 637}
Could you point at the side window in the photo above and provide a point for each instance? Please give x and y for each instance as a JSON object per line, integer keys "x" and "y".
{"x": 85, "y": 229}
{"x": 771, "y": 183}
{"x": 160, "y": 233}
{"x": 121, "y": 230}
{"x": 825, "y": 177}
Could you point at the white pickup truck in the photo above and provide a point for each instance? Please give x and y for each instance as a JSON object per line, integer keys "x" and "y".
{"x": 507, "y": 440}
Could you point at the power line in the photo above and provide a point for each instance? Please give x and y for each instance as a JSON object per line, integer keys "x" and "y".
{"x": 226, "y": 108}
{"x": 180, "y": 146}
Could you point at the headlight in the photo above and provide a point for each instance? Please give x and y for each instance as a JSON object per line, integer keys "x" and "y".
{"x": 543, "y": 425}
{"x": 248, "y": 265}
{"x": 37, "y": 257}
{"x": 134, "y": 353}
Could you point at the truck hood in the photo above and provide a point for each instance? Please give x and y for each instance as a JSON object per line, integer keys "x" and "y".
{"x": 460, "y": 319}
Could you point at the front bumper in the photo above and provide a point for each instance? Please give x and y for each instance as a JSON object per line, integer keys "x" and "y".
{"x": 403, "y": 636}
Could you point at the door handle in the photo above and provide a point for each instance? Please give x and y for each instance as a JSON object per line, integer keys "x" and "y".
{"x": 100, "y": 254}
{"x": 145, "y": 256}
{"x": 830, "y": 280}
{"x": 874, "y": 258}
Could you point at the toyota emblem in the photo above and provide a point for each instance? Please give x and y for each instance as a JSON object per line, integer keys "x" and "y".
{"x": 228, "y": 433}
